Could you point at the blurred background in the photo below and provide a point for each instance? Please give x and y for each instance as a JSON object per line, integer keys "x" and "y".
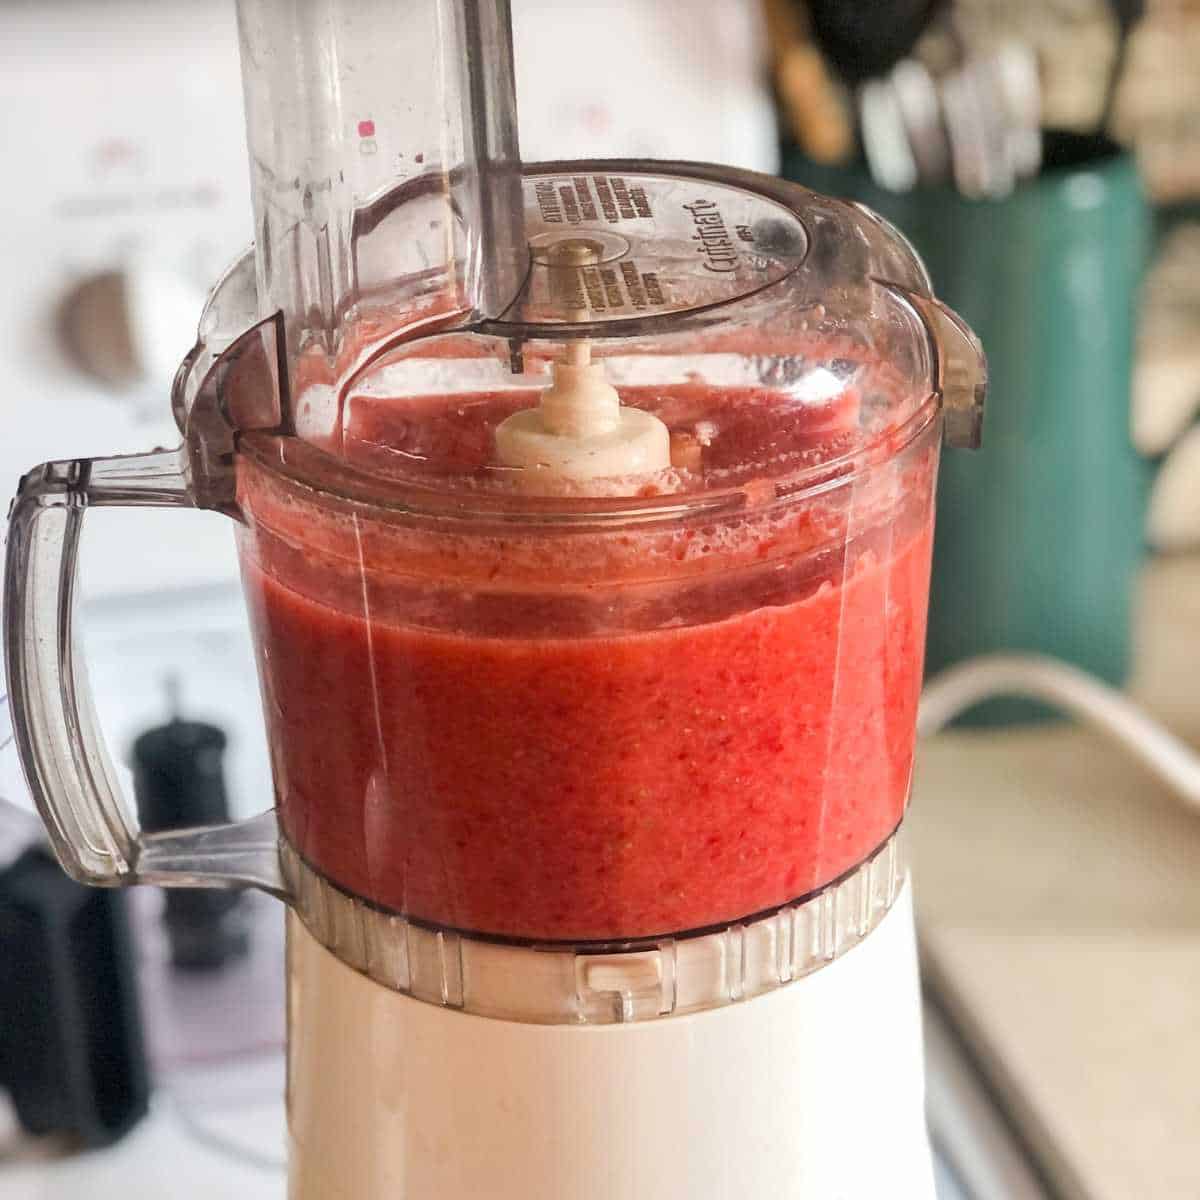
{"x": 1044, "y": 158}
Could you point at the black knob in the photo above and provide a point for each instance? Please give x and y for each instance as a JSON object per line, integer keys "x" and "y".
{"x": 71, "y": 1048}
{"x": 866, "y": 40}
{"x": 179, "y": 776}
{"x": 179, "y": 782}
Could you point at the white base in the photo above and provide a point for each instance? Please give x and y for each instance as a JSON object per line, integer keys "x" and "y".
{"x": 811, "y": 1092}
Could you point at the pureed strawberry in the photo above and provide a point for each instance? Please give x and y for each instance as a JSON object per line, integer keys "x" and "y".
{"x": 562, "y": 731}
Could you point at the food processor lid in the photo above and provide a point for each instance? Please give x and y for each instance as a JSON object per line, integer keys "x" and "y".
{"x": 670, "y": 239}
{"x": 433, "y": 314}
{"x": 770, "y": 331}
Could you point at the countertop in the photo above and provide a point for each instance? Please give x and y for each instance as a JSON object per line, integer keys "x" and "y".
{"x": 1058, "y": 890}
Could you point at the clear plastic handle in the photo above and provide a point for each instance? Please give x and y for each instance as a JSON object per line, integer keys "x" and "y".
{"x": 960, "y": 370}
{"x": 91, "y": 826}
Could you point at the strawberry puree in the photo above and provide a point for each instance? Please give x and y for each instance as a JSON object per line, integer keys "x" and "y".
{"x": 522, "y": 777}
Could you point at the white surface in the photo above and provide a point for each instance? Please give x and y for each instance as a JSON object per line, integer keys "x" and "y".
{"x": 811, "y": 1092}
{"x": 683, "y": 79}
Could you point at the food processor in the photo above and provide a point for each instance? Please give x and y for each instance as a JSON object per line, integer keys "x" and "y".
{"x": 584, "y": 511}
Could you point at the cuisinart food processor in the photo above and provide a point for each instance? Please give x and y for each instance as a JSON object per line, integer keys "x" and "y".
{"x": 584, "y": 511}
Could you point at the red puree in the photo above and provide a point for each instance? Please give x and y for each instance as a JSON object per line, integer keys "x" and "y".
{"x": 557, "y": 785}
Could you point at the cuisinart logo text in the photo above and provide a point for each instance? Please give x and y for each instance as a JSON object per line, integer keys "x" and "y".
{"x": 718, "y": 249}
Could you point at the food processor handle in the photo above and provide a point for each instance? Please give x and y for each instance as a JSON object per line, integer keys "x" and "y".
{"x": 70, "y": 774}
{"x": 960, "y": 371}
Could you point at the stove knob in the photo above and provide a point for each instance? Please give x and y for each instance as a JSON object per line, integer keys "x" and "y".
{"x": 179, "y": 783}
{"x": 123, "y": 327}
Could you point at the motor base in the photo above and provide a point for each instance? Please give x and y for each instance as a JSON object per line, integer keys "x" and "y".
{"x": 814, "y": 1091}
